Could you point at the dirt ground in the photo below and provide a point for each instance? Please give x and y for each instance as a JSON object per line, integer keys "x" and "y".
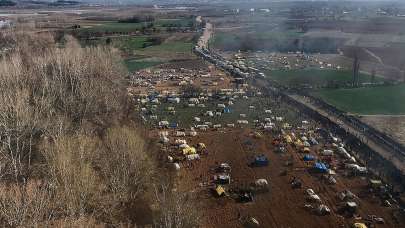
{"x": 283, "y": 206}
{"x": 394, "y": 126}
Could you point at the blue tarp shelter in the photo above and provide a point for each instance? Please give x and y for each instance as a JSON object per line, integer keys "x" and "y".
{"x": 321, "y": 167}
{"x": 227, "y": 110}
{"x": 261, "y": 160}
{"x": 173, "y": 125}
{"x": 309, "y": 157}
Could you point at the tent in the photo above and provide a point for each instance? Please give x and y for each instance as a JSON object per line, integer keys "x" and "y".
{"x": 173, "y": 125}
{"x": 288, "y": 139}
{"x": 189, "y": 150}
{"x": 321, "y": 167}
{"x": 309, "y": 157}
{"x": 359, "y": 225}
{"x": 227, "y": 110}
{"x": 261, "y": 160}
{"x": 298, "y": 143}
{"x": 220, "y": 190}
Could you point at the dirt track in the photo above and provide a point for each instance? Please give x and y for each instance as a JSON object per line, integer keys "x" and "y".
{"x": 283, "y": 206}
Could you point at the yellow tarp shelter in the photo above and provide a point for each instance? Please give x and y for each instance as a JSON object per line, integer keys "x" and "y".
{"x": 189, "y": 150}
{"x": 220, "y": 190}
{"x": 288, "y": 139}
{"x": 359, "y": 225}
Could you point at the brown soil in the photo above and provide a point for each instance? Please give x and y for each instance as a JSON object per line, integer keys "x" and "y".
{"x": 282, "y": 206}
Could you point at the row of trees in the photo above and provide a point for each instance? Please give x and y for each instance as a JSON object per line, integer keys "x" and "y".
{"x": 69, "y": 155}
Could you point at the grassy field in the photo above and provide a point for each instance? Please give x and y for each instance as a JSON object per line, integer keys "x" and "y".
{"x": 175, "y": 46}
{"x": 184, "y": 115}
{"x": 139, "y": 64}
{"x": 388, "y": 100}
{"x": 140, "y": 53}
{"x": 114, "y": 26}
{"x": 315, "y": 77}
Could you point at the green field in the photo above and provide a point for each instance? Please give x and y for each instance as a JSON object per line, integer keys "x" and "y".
{"x": 387, "y": 100}
{"x": 139, "y": 64}
{"x": 175, "y": 46}
{"x": 184, "y": 115}
{"x": 141, "y": 53}
{"x": 315, "y": 77}
{"x": 114, "y": 26}
{"x": 253, "y": 40}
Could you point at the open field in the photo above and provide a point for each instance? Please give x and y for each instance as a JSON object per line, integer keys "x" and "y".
{"x": 394, "y": 126}
{"x": 146, "y": 51}
{"x": 127, "y": 27}
{"x": 387, "y": 100}
{"x": 315, "y": 77}
{"x": 139, "y": 64}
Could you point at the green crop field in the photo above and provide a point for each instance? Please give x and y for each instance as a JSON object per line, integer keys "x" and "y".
{"x": 176, "y": 46}
{"x": 388, "y": 100}
{"x": 315, "y": 77}
{"x": 139, "y": 64}
{"x": 114, "y": 27}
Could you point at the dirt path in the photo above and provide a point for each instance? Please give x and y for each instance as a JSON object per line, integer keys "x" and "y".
{"x": 208, "y": 31}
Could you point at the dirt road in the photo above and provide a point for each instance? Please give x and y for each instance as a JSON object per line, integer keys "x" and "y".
{"x": 206, "y": 36}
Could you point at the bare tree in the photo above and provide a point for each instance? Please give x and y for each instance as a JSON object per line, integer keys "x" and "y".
{"x": 176, "y": 210}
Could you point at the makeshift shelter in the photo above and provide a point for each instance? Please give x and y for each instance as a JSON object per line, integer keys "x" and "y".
{"x": 219, "y": 190}
{"x": 309, "y": 157}
{"x": 227, "y": 110}
{"x": 261, "y": 160}
{"x": 201, "y": 146}
{"x": 189, "y": 150}
{"x": 288, "y": 139}
{"x": 321, "y": 167}
{"x": 359, "y": 225}
{"x": 298, "y": 143}
{"x": 373, "y": 183}
{"x": 222, "y": 178}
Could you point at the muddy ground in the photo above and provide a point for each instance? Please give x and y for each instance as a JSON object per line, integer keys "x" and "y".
{"x": 283, "y": 206}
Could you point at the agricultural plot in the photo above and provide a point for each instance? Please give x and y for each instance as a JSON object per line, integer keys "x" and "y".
{"x": 387, "y": 100}
{"x": 142, "y": 52}
{"x": 115, "y": 27}
{"x": 316, "y": 77}
{"x": 139, "y": 64}
{"x": 254, "y": 40}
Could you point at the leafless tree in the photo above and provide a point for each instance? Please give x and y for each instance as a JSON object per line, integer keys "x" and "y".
{"x": 176, "y": 210}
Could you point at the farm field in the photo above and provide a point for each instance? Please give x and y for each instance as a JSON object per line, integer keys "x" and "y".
{"x": 388, "y": 100}
{"x": 141, "y": 52}
{"x": 316, "y": 77}
{"x": 114, "y": 26}
{"x": 139, "y": 64}
{"x": 243, "y": 39}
